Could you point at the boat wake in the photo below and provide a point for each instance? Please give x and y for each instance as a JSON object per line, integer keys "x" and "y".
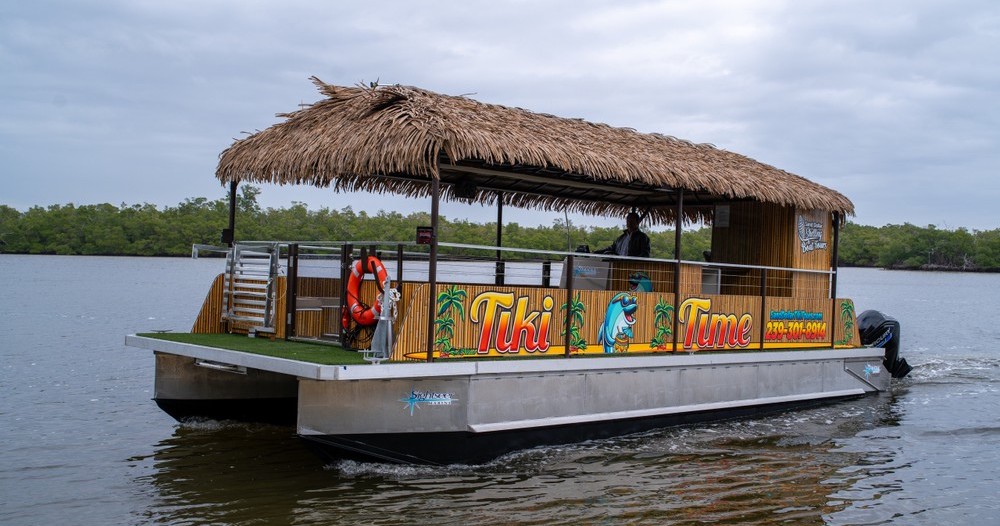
{"x": 952, "y": 369}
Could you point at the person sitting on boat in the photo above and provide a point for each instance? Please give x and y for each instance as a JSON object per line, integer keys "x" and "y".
{"x": 633, "y": 242}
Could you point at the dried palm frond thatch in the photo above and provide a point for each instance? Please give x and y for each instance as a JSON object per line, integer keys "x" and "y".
{"x": 397, "y": 138}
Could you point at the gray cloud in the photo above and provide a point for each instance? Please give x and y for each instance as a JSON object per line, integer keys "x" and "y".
{"x": 892, "y": 103}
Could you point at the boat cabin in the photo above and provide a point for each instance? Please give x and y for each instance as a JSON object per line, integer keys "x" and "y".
{"x": 769, "y": 281}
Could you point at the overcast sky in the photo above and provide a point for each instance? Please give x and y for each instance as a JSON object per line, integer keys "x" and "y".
{"x": 894, "y": 103}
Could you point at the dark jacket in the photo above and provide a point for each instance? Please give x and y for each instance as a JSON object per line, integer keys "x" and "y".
{"x": 638, "y": 245}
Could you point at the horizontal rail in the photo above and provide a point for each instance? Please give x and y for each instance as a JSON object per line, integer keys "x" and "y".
{"x": 389, "y": 245}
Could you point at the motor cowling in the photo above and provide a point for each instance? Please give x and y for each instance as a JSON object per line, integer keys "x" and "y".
{"x": 879, "y": 330}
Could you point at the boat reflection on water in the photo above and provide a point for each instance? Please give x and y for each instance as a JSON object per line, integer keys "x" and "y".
{"x": 805, "y": 467}
{"x": 230, "y": 473}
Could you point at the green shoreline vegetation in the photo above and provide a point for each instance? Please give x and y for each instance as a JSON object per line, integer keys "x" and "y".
{"x": 146, "y": 230}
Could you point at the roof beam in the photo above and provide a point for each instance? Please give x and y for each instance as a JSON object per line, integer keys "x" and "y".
{"x": 602, "y": 186}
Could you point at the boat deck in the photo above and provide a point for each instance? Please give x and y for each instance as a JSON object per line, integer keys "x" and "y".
{"x": 323, "y": 362}
{"x": 480, "y": 408}
{"x": 310, "y": 352}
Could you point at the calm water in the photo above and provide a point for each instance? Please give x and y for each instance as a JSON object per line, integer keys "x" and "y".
{"x": 82, "y": 443}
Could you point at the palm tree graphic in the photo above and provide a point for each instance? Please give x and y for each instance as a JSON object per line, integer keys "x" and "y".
{"x": 576, "y": 311}
{"x": 662, "y": 314}
{"x": 847, "y": 314}
{"x": 449, "y": 299}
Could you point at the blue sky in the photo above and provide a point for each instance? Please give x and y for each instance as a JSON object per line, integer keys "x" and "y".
{"x": 894, "y": 103}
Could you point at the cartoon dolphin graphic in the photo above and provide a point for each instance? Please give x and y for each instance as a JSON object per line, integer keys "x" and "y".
{"x": 639, "y": 282}
{"x": 616, "y": 331}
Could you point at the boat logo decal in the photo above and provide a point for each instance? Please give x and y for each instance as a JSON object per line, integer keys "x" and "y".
{"x": 810, "y": 235}
{"x": 882, "y": 340}
{"x": 872, "y": 370}
{"x": 586, "y": 271}
{"x": 416, "y": 398}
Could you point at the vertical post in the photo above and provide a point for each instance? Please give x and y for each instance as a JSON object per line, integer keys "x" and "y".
{"x": 291, "y": 289}
{"x": 229, "y": 234}
{"x": 432, "y": 266}
{"x": 834, "y": 263}
{"x": 399, "y": 265}
{"x": 546, "y": 273}
{"x": 569, "y": 300}
{"x": 679, "y": 213}
{"x": 345, "y": 268}
{"x": 500, "y": 271}
{"x": 274, "y": 255}
{"x": 763, "y": 304}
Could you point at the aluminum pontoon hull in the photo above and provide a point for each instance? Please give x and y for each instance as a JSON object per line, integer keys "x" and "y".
{"x": 468, "y": 412}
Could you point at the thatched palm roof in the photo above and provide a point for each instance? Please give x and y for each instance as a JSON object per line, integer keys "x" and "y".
{"x": 396, "y": 138}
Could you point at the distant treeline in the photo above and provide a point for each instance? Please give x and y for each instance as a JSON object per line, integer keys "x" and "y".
{"x": 146, "y": 230}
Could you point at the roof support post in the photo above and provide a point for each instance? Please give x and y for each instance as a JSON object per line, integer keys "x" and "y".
{"x": 677, "y": 262}
{"x": 833, "y": 279}
{"x": 763, "y": 306}
{"x": 291, "y": 290}
{"x": 432, "y": 266}
{"x": 346, "y": 252}
{"x": 500, "y": 272}
{"x": 229, "y": 234}
{"x": 569, "y": 303}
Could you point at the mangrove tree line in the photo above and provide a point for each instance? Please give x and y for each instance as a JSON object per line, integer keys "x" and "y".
{"x": 146, "y": 230}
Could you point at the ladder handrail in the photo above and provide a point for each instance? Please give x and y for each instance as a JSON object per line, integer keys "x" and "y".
{"x": 238, "y": 260}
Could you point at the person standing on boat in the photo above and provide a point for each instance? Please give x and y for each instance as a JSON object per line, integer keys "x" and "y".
{"x": 633, "y": 242}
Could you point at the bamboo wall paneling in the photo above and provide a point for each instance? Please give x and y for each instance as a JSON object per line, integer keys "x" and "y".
{"x": 309, "y": 323}
{"x": 810, "y": 285}
{"x": 319, "y": 287}
{"x": 624, "y": 275}
{"x": 331, "y": 321}
{"x": 410, "y": 329}
{"x": 280, "y": 307}
{"x": 690, "y": 282}
{"x": 756, "y": 234}
{"x": 209, "y": 320}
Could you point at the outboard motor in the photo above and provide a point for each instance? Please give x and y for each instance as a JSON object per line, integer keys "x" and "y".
{"x": 878, "y": 330}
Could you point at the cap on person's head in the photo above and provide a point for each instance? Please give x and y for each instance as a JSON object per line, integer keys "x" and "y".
{"x": 632, "y": 216}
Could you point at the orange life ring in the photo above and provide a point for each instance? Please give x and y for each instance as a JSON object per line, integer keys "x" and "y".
{"x": 361, "y": 313}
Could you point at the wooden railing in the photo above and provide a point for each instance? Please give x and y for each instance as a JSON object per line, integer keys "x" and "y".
{"x": 312, "y": 303}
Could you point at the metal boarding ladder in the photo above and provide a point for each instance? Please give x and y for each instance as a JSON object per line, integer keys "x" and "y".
{"x": 249, "y": 287}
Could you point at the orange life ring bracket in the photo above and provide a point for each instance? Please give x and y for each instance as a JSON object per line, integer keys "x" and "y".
{"x": 363, "y": 314}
